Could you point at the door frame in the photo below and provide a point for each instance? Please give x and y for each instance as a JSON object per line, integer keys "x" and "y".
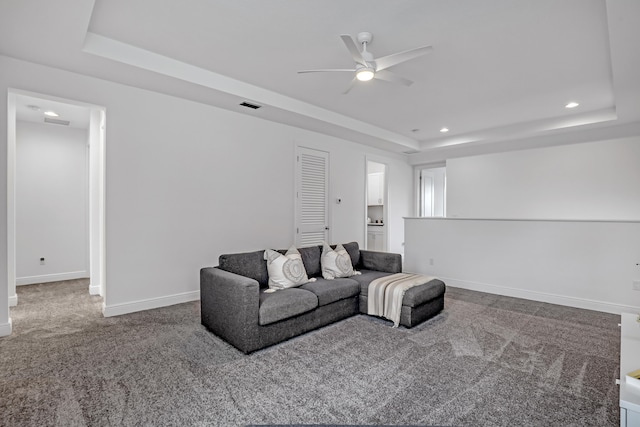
{"x": 419, "y": 173}
{"x": 97, "y": 173}
{"x": 299, "y": 148}
{"x": 385, "y": 206}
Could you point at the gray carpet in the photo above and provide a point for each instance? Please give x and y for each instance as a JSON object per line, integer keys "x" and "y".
{"x": 486, "y": 360}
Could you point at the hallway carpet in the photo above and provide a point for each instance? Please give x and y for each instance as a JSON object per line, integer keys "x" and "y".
{"x": 487, "y": 360}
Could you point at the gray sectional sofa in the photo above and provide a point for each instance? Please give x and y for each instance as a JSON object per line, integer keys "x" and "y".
{"x": 235, "y": 307}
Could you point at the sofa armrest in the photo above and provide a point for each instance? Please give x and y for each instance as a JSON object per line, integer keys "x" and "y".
{"x": 381, "y": 261}
{"x": 229, "y": 305}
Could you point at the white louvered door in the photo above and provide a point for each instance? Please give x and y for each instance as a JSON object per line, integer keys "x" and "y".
{"x": 312, "y": 197}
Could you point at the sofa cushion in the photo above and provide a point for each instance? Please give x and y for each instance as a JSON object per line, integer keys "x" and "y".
{"x": 354, "y": 252}
{"x": 285, "y": 303}
{"x": 336, "y": 262}
{"x": 329, "y": 291}
{"x": 380, "y": 261}
{"x": 285, "y": 271}
{"x": 366, "y": 277}
{"x": 248, "y": 264}
{"x": 253, "y": 265}
{"x": 418, "y": 295}
{"x": 413, "y": 297}
{"x": 311, "y": 259}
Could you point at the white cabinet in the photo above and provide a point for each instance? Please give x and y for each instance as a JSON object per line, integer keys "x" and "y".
{"x": 375, "y": 238}
{"x": 371, "y": 237}
{"x": 375, "y": 189}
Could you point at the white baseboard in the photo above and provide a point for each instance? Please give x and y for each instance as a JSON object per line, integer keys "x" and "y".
{"x": 148, "y": 304}
{"x": 13, "y": 300}
{"x": 5, "y": 329}
{"x": 588, "y": 304}
{"x": 46, "y": 278}
{"x": 94, "y": 289}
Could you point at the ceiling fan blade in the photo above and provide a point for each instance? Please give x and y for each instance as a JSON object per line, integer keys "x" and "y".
{"x": 351, "y": 85}
{"x": 327, "y": 70}
{"x": 353, "y": 49}
{"x": 390, "y": 77}
{"x": 396, "y": 58}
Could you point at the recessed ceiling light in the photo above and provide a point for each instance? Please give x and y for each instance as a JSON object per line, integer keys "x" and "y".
{"x": 51, "y": 114}
{"x": 444, "y": 130}
{"x": 571, "y": 105}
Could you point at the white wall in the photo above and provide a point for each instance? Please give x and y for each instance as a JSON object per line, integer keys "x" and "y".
{"x": 51, "y": 203}
{"x": 587, "y": 264}
{"x": 599, "y": 180}
{"x": 186, "y": 182}
{"x": 400, "y": 194}
{"x": 576, "y": 263}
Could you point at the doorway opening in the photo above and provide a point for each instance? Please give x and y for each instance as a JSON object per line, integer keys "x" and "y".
{"x": 432, "y": 191}
{"x": 62, "y": 142}
{"x": 376, "y": 236}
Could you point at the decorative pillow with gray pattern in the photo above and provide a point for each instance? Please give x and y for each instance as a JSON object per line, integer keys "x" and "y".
{"x": 336, "y": 263}
{"x": 285, "y": 271}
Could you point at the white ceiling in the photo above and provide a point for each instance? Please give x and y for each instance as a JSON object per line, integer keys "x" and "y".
{"x": 32, "y": 109}
{"x": 498, "y": 77}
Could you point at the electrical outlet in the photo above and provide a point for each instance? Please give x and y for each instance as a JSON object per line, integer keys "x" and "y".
{"x": 41, "y": 261}
{"x": 636, "y": 285}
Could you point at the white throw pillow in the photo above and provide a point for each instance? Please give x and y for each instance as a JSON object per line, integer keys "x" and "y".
{"x": 336, "y": 263}
{"x": 285, "y": 271}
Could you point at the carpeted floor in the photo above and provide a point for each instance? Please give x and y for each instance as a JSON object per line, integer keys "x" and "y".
{"x": 486, "y": 360}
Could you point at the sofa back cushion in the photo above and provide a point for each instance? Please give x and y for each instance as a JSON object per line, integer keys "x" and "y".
{"x": 311, "y": 260}
{"x": 354, "y": 252}
{"x": 248, "y": 264}
{"x": 253, "y": 265}
{"x": 311, "y": 257}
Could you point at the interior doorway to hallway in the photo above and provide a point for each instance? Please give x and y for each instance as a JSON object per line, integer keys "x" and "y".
{"x": 53, "y": 141}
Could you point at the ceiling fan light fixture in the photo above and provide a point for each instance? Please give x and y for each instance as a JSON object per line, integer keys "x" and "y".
{"x": 367, "y": 67}
{"x": 365, "y": 74}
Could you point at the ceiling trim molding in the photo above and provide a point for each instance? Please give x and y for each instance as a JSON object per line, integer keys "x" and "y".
{"x": 525, "y": 130}
{"x": 554, "y": 138}
{"x": 105, "y": 47}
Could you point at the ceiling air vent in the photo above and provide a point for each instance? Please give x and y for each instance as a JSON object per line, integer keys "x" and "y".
{"x": 411, "y": 152}
{"x": 250, "y": 105}
{"x": 56, "y": 121}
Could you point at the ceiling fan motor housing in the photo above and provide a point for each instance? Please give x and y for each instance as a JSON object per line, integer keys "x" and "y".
{"x": 365, "y": 37}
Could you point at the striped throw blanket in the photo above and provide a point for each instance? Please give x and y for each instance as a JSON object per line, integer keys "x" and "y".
{"x": 386, "y": 293}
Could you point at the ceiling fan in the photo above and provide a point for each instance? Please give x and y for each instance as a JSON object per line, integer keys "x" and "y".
{"x": 367, "y": 67}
